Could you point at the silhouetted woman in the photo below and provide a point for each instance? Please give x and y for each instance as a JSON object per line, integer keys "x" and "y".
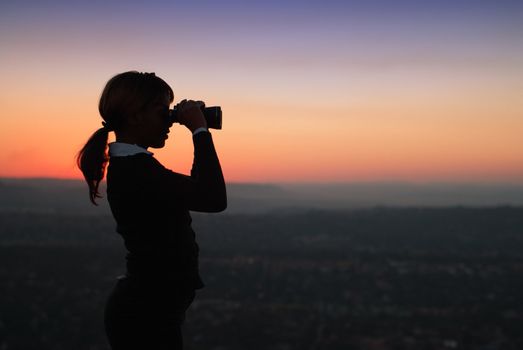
{"x": 151, "y": 207}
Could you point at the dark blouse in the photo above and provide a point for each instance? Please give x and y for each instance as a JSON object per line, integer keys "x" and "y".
{"x": 151, "y": 205}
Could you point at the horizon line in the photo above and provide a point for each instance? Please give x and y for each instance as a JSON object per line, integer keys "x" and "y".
{"x": 310, "y": 182}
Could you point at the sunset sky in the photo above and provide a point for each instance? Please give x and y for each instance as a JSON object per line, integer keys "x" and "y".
{"x": 311, "y": 91}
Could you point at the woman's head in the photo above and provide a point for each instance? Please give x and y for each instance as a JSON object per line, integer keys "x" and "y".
{"x": 135, "y": 106}
{"x": 128, "y": 97}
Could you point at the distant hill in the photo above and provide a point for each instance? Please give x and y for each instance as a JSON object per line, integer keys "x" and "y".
{"x": 71, "y": 196}
{"x": 409, "y": 194}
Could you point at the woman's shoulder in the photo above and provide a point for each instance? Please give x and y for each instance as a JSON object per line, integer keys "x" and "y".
{"x": 133, "y": 160}
{"x": 137, "y": 165}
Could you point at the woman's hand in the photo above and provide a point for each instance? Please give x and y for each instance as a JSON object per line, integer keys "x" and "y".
{"x": 190, "y": 114}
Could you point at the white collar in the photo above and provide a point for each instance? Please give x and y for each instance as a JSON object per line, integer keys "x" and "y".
{"x": 122, "y": 149}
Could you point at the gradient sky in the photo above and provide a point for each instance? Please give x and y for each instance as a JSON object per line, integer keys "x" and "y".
{"x": 327, "y": 91}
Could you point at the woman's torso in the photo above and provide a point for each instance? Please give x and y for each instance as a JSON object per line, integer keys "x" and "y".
{"x": 156, "y": 228}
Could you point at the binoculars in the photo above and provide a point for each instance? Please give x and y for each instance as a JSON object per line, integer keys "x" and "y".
{"x": 213, "y": 116}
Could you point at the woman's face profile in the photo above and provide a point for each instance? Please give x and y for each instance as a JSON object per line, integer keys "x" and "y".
{"x": 154, "y": 124}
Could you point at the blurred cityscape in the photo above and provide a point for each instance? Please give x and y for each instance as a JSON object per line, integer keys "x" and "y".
{"x": 376, "y": 278}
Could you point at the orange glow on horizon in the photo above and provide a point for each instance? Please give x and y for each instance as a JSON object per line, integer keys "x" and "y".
{"x": 290, "y": 143}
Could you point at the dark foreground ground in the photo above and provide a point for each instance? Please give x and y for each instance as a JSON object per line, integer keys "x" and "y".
{"x": 447, "y": 278}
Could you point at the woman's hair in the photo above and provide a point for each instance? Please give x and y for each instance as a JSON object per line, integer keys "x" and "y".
{"x": 124, "y": 94}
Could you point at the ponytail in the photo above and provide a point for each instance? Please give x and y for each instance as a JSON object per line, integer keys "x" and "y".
{"x": 92, "y": 159}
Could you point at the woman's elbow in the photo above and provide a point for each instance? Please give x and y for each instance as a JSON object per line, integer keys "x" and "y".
{"x": 224, "y": 205}
{"x": 220, "y": 206}
{"x": 220, "y": 202}
{"x": 212, "y": 205}
{"x": 215, "y": 201}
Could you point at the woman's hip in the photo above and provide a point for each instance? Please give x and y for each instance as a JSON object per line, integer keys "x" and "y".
{"x": 135, "y": 301}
